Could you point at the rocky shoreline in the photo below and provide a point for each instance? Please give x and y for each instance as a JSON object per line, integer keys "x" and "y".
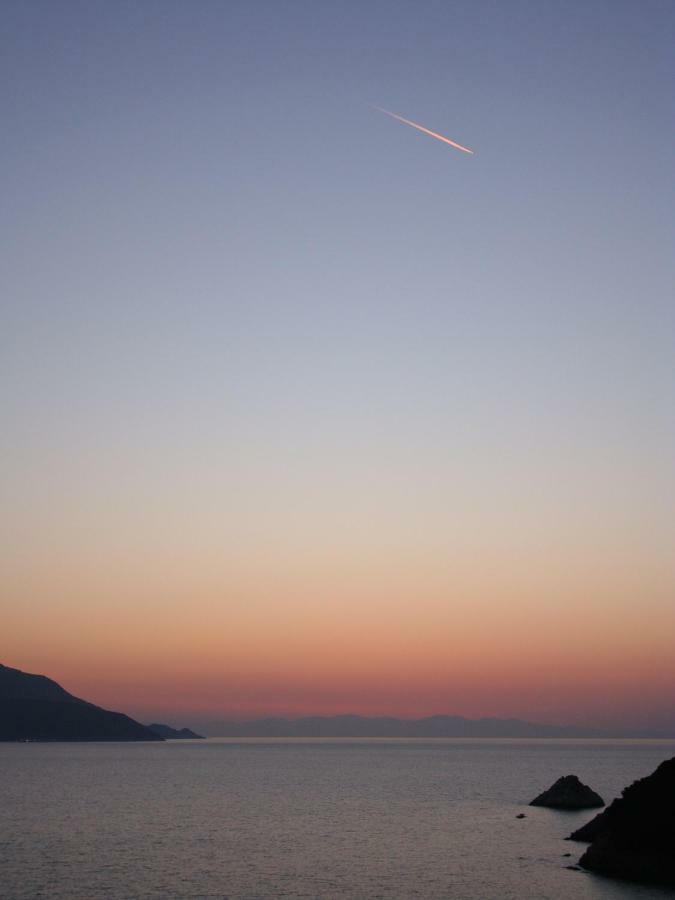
{"x": 634, "y": 838}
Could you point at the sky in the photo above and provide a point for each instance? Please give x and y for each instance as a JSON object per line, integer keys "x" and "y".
{"x": 305, "y": 412}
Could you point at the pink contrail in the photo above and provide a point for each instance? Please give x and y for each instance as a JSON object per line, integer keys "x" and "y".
{"x": 433, "y": 134}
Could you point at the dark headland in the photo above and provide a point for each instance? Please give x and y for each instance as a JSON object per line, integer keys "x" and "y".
{"x": 634, "y": 838}
{"x": 35, "y": 708}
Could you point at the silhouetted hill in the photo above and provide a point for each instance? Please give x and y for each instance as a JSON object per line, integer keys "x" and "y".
{"x": 18, "y": 685}
{"x": 175, "y": 734}
{"x": 634, "y": 838}
{"x": 35, "y": 708}
{"x": 363, "y": 726}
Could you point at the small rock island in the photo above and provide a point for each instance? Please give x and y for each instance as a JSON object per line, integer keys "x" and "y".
{"x": 569, "y": 793}
{"x": 634, "y": 838}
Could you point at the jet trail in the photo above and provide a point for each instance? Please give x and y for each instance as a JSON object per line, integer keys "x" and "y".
{"x": 433, "y": 134}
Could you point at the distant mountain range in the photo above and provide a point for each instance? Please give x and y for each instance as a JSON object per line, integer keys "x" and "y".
{"x": 35, "y": 708}
{"x": 430, "y": 727}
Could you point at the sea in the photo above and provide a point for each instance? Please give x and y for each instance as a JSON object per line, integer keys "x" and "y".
{"x": 329, "y": 818}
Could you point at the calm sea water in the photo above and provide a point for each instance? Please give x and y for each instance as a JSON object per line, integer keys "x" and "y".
{"x": 304, "y": 819}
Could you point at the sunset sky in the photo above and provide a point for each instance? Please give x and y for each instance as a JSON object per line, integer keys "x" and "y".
{"x": 304, "y": 411}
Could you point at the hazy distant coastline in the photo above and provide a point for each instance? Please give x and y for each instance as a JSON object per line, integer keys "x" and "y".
{"x": 34, "y": 707}
{"x": 439, "y": 726}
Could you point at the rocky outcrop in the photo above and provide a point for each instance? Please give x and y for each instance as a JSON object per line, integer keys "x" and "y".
{"x": 590, "y": 830}
{"x": 634, "y": 838}
{"x": 569, "y": 793}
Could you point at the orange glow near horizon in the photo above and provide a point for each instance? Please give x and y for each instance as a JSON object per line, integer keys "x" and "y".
{"x": 380, "y": 567}
{"x": 404, "y": 644}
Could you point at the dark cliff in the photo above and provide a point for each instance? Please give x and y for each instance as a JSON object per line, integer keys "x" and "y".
{"x": 634, "y": 838}
{"x": 35, "y": 708}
